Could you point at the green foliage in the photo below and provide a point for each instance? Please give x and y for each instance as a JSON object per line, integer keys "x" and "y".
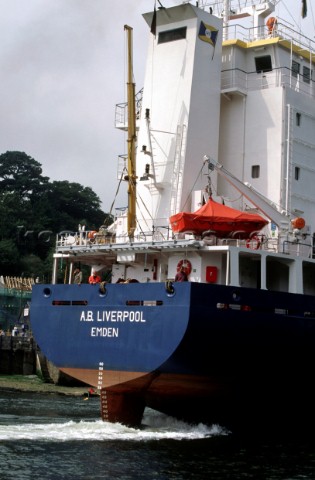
{"x": 8, "y": 257}
{"x": 71, "y": 203}
{"x": 30, "y": 204}
{"x": 32, "y": 266}
{"x": 21, "y": 175}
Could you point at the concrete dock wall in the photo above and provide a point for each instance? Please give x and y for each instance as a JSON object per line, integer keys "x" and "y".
{"x": 17, "y": 355}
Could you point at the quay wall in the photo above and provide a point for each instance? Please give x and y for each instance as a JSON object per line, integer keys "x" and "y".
{"x": 17, "y": 355}
{"x": 22, "y": 356}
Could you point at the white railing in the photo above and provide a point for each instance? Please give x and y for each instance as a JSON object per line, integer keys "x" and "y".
{"x": 91, "y": 240}
{"x": 282, "y": 30}
{"x": 238, "y": 80}
{"x": 121, "y": 111}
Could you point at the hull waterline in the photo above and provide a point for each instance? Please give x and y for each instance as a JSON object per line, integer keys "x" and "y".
{"x": 220, "y": 353}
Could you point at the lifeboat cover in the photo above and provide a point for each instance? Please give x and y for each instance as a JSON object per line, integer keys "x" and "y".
{"x": 223, "y": 221}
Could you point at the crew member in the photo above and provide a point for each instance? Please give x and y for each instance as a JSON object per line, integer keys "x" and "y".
{"x": 94, "y": 278}
{"x": 77, "y": 276}
{"x": 271, "y": 24}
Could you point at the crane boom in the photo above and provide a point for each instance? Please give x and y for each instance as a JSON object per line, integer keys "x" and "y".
{"x": 281, "y": 219}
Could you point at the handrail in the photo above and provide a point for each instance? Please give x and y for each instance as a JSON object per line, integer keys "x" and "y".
{"x": 284, "y": 31}
{"x": 236, "y": 79}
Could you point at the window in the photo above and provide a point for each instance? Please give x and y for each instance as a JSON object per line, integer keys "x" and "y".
{"x": 297, "y": 173}
{"x": 263, "y": 64}
{"x": 306, "y": 75}
{"x": 172, "y": 35}
{"x": 255, "y": 171}
{"x": 295, "y": 68}
{"x": 298, "y": 119}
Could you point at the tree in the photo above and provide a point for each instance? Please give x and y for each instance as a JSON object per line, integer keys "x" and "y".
{"x": 72, "y": 204}
{"x": 21, "y": 188}
{"x": 32, "y": 266}
{"x": 31, "y": 204}
{"x": 9, "y": 256}
{"x": 21, "y": 175}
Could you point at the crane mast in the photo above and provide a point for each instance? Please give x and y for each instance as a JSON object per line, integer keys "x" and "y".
{"x": 131, "y": 141}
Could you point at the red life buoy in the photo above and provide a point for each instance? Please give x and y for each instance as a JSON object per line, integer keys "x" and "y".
{"x": 253, "y": 243}
{"x": 186, "y": 265}
{"x": 298, "y": 222}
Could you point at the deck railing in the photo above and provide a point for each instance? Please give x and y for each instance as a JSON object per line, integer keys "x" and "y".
{"x": 282, "y": 30}
{"x": 92, "y": 239}
{"x": 237, "y": 80}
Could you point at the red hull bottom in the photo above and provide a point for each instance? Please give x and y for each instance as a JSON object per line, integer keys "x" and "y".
{"x": 125, "y": 403}
{"x": 124, "y": 395}
{"x": 235, "y": 403}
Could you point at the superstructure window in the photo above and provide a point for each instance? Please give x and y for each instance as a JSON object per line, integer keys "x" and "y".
{"x": 263, "y": 64}
{"x": 297, "y": 173}
{"x": 306, "y": 74}
{"x": 298, "y": 119}
{"x": 295, "y": 68}
{"x": 255, "y": 171}
{"x": 172, "y": 35}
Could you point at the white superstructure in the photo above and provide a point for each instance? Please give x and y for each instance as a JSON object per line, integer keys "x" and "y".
{"x": 179, "y": 115}
{"x": 245, "y": 97}
{"x": 267, "y": 117}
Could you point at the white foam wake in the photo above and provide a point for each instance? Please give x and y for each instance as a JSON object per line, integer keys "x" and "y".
{"x": 157, "y": 427}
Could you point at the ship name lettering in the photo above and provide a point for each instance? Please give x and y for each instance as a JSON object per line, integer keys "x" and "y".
{"x": 136, "y": 317}
{"x": 111, "y": 316}
{"x": 104, "y": 332}
{"x": 119, "y": 316}
{"x": 87, "y": 316}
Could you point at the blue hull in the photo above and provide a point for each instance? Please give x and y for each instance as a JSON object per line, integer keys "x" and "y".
{"x": 203, "y": 353}
{"x": 79, "y": 326}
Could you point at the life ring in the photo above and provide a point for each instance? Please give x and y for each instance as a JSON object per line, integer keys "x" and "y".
{"x": 298, "y": 222}
{"x": 253, "y": 243}
{"x": 186, "y": 265}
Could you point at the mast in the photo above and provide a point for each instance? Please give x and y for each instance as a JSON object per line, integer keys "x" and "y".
{"x": 131, "y": 141}
{"x": 226, "y": 13}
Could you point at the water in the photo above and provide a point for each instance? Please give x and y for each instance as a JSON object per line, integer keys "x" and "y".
{"x": 58, "y": 437}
